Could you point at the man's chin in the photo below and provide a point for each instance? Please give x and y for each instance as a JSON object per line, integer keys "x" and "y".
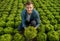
{"x": 29, "y": 12}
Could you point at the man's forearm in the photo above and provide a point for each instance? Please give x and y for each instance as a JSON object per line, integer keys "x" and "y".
{"x": 37, "y": 25}
{"x": 23, "y": 25}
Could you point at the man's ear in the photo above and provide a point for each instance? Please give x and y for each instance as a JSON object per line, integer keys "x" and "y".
{"x": 33, "y": 6}
{"x": 25, "y": 7}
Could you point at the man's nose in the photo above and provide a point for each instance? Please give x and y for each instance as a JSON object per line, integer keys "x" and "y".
{"x": 29, "y": 9}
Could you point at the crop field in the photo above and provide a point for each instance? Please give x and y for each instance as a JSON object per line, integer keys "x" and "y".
{"x": 10, "y": 18}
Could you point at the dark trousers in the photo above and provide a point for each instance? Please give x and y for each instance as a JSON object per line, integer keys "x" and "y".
{"x": 31, "y": 23}
{"x": 21, "y": 29}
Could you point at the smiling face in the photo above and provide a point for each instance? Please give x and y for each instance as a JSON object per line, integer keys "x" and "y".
{"x": 29, "y": 8}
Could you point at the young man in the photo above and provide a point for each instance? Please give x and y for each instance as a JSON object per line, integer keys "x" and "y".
{"x": 29, "y": 17}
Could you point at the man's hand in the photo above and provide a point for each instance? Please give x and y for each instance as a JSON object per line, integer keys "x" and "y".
{"x": 24, "y": 27}
{"x": 35, "y": 27}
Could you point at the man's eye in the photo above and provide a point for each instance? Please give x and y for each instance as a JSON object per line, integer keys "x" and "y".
{"x": 30, "y": 7}
{"x": 27, "y": 7}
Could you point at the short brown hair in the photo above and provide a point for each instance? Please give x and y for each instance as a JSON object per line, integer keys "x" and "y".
{"x": 28, "y": 3}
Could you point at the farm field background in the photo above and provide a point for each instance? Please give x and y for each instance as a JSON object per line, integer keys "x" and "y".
{"x": 10, "y": 18}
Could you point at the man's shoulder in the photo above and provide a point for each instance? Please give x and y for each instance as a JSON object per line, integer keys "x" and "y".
{"x": 35, "y": 11}
{"x": 23, "y": 11}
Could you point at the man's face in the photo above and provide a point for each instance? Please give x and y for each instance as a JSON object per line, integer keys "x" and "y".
{"x": 29, "y": 8}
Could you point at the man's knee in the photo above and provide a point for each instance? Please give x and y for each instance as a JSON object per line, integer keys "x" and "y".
{"x": 33, "y": 23}
{"x": 20, "y": 27}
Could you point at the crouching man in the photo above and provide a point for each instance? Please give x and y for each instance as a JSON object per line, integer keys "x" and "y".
{"x": 29, "y": 17}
